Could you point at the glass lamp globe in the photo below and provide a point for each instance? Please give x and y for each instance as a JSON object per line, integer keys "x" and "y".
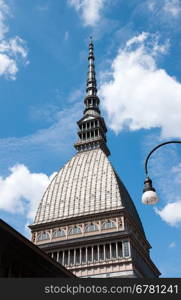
{"x": 149, "y": 197}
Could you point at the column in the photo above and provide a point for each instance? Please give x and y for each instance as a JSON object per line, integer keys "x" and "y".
{"x": 117, "y": 223}
{"x": 92, "y": 253}
{"x": 63, "y": 257}
{"x": 110, "y": 247}
{"x": 123, "y": 224}
{"x": 52, "y": 255}
{"x": 86, "y": 255}
{"x": 51, "y": 234}
{"x": 98, "y": 257}
{"x": 104, "y": 249}
{"x": 99, "y": 226}
{"x": 117, "y": 250}
{"x": 68, "y": 257}
{"x": 74, "y": 256}
{"x": 66, "y": 232}
{"x": 58, "y": 254}
{"x": 80, "y": 256}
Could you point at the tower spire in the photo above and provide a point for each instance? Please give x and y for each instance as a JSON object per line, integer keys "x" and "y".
{"x": 92, "y": 128}
{"x": 91, "y": 76}
{"x": 91, "y": 100}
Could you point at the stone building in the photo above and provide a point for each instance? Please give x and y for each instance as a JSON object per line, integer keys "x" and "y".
{"x": 86, "y": 219}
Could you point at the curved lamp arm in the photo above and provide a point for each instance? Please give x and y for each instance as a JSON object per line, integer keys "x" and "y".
{"x": 160, "y": 145}
{"x": 149, "y": 194}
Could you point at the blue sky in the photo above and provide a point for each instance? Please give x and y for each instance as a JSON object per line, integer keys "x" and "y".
{"x": 43, "y": 65}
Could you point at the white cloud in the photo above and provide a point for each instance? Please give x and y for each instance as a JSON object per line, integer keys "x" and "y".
{"x": 10, "y": 53}
{"x": 137, "y": 39}
{"x": 137, "y": 93}
{"x": 12, "y": 50}
{"x": 8, "y": 66}
{"x": 165, "y": 8}
{"x": 171, "y": 213}
{"x": 90, "y": 10}
{"x": 4, "y": 11}
{"x": 21, "y": 191}
{"x": 172, "y": 7}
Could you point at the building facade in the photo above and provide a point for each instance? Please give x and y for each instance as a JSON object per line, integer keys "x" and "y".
{"x": 86, "y": 219}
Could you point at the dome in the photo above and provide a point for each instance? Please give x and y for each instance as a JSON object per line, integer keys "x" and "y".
{"x": 87, "y": 184}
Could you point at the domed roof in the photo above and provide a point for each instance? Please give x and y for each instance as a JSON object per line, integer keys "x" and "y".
{"x": 87, "y": 184}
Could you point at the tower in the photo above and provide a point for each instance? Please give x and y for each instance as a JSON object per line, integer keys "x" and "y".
{"x": 86, "y": 219}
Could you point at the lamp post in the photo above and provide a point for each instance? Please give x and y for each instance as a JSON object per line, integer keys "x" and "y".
{"x": 149, "y": 193}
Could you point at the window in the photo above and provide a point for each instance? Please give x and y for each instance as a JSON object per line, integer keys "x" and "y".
{"x": 83, "y": 255}
{"x": 43, "y": 236}
{"x": 126, "y": 249}
{"x": 95, "y": 253}
{"x": 120, "y": 251}
{"x": 71, "y": 257}
{"x": 74, "y": 230}
{"x": 108, "y": 224}
{"x": 77, "y": 257}
{"x": 91, "y": 227}
{"x": 58, "y": 233}
{"x": 113, "y": 245}
{"x": 60, "y": 257}
{"x": 101, "y": 252}
{"x": 89, "y": 254}
{"x": 54, "y": 255}
{"x": 66, "y": 257}
{"x": 107, "y": 248}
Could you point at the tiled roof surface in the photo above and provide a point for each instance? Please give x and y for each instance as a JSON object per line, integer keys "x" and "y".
{"x": 87, "y": 184}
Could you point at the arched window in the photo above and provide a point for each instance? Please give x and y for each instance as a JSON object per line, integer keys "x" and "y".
{"x": 43, "y": 236}
{"x": 74, "y": 230}
{"x": 58, "y": 233}
{"x": 108, "y": 224}
{"x": 91, "y": 227}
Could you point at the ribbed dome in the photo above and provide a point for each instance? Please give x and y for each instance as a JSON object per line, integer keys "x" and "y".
{"x": 87, "y": 184}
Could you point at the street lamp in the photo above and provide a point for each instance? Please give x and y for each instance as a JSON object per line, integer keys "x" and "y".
{"x": 149, "y": 193}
